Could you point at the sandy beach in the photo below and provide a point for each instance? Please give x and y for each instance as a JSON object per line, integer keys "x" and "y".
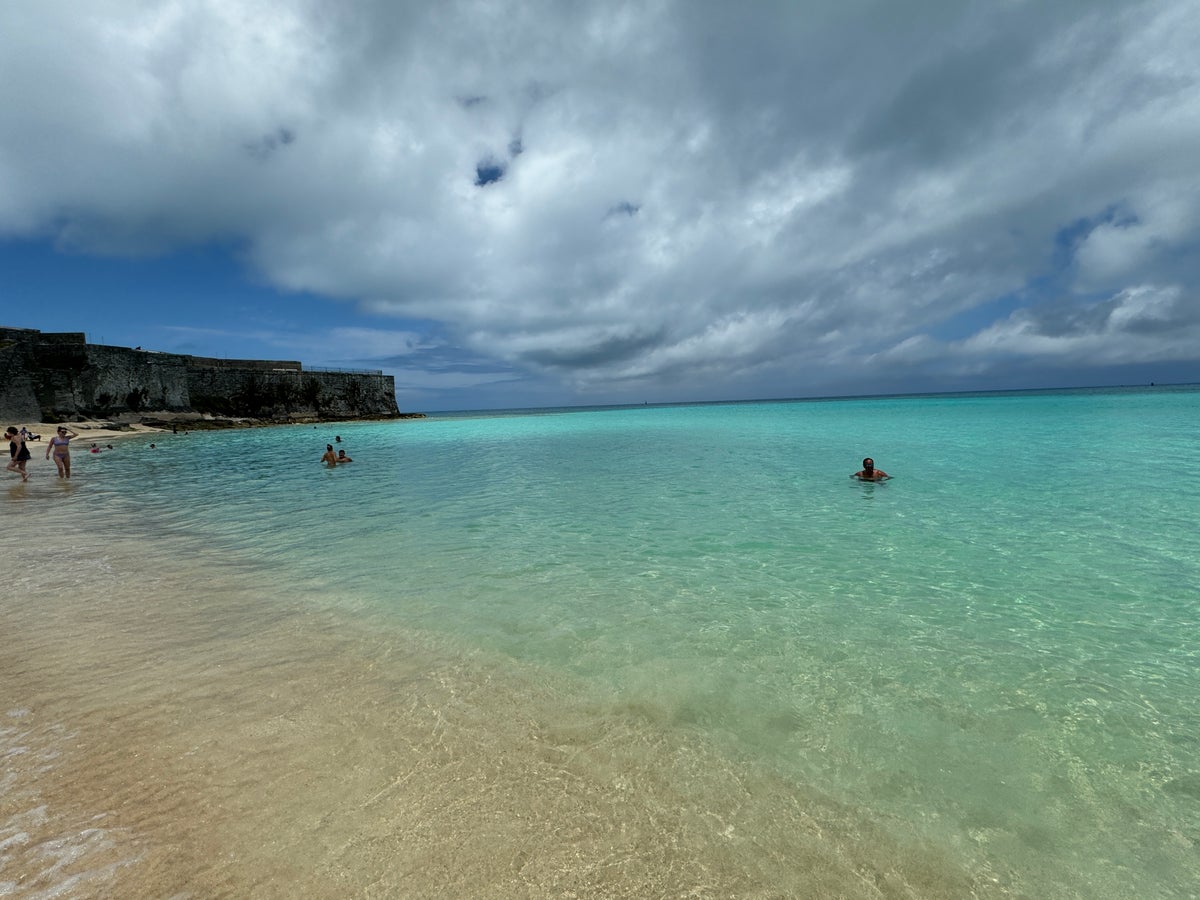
{"x": 161, "y": 740}
{"x": 176, "y": 721}
{"x": 90, "y": 430}
{"x": 604, "y": 654}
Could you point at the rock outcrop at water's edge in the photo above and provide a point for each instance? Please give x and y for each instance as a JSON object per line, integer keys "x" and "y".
{"x": 56, "y": 377}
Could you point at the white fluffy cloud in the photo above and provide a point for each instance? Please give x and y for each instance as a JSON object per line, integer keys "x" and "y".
{"x": 653, "y": 193}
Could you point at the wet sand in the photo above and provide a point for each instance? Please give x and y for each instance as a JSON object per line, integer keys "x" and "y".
{"x": 169, "y": 727}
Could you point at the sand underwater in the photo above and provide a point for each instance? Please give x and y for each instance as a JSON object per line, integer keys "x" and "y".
{"x": 440, "y": 675}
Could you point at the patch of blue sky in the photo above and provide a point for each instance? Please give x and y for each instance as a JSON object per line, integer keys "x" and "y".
{"x": 1053, "y": 286}
{"x": 201, "y": 301}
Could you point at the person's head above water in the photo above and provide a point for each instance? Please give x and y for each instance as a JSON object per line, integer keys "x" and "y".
{"x": 869, "y": 472}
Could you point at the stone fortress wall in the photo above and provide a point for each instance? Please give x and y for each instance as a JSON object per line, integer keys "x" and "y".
{"x": 55, "y": 377}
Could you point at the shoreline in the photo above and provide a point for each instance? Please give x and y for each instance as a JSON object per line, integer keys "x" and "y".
{"x": 582, "y": 668}
{"x": 90, "y": 428}
{"x": 291, "y": 746}
{"x": 172, "y": 423}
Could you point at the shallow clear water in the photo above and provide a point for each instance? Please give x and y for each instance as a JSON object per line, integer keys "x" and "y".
{"x": 994, "y": 654}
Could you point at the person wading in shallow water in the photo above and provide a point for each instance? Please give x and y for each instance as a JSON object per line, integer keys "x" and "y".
{"x": 60, "y": 446}
{"x": 18, "y": 453}
{"x": 330, "y": 458}
{"x": 870, "y": 473}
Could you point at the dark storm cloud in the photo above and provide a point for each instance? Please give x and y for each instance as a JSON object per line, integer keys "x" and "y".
{"x": 265, "y": 147}
{"x": 613, "y": 349}
{"x": 624, "y": 208}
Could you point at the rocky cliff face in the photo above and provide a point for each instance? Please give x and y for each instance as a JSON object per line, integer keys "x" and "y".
{"x": 60, "y": 377}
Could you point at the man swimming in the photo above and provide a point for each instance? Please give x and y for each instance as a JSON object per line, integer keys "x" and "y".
{"x": 870, "y": 473}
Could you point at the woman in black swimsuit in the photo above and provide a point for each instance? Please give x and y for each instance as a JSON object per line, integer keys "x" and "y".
{"x": 18, "y": 452}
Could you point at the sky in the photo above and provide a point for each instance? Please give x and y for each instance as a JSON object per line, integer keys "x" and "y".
{"x": 556, "y": 203}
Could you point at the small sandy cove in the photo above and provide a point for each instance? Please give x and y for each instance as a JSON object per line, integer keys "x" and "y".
{"x": 91, "y": 431}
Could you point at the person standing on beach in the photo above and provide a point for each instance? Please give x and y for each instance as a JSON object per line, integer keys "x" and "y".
{"x": 18, "y": 453}
{"x": 330, "y": 458}
{"x": 60, "y": 446}
{"x": 870, "y": 473}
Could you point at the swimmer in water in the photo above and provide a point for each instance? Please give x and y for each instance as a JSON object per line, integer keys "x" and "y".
{"x": 330, "y": 458}
{"x": 870, "y": 473}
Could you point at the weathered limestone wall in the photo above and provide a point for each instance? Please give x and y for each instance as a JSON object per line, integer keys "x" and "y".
{"x": 18, "y": 400}
{"x": 55, "y": 377}
{"x": 258, "y": 365}
{"x": 112, "y": 380}
{"x": 280, "y": 394}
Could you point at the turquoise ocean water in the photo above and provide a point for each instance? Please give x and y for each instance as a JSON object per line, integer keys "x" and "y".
{"x": 995, "y": 654}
